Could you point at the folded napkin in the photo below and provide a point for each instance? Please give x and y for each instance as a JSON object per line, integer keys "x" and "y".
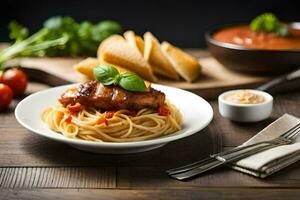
{"x": 272, "y": 160}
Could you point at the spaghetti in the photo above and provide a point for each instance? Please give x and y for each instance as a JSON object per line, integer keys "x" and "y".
{"x": 120, "y": 126}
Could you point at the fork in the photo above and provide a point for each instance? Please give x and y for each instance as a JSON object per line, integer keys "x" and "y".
{"x": 238, "y": 153}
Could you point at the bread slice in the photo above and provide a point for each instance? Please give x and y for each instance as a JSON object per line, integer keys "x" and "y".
{"x": 86, "y": 67}
{"x": 185, "y": 65}
{"x": 117, "y": 51}
{"x": 154, "y": 55}
{"x": 135, "y": 40}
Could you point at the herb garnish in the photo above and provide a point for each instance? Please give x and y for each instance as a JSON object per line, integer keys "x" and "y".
{"x": 108, "y": 75}
{"x": 60, "y": 36}
{"x": 268, "y": 22}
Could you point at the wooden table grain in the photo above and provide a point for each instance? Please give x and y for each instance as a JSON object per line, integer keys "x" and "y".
{"x": 33, "y": 167}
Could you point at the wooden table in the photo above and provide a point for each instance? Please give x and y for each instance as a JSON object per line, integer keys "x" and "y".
{"x": 36, "y": 168}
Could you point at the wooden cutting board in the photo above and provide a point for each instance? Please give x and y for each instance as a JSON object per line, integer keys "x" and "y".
{"x": 215, "y": 78}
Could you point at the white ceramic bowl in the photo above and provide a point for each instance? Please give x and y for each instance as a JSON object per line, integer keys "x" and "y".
{"x": 246, "y": 112}
{"x": 197, "y": 113}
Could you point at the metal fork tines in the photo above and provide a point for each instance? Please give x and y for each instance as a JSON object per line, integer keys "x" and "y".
{"x": 282, "y": 139}
{"x": 235, "y": 154}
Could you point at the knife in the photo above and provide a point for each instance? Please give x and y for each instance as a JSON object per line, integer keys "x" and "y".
{"x": 44, "y": 77}
{"x": 285, "y": 83}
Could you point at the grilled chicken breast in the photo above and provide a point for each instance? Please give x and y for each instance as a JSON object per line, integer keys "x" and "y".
{"x": 94, "y": 94}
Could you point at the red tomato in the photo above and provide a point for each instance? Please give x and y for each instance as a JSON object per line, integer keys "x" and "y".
{"x": 163, "y": 111}
{"x": 109, "y": 114}
{"x": 69, "y": 119}
{"x": 16, "y": 80}
{"x": 75, "y": 108}
{"x": 102, "y": 120}
{"x": 6, "y": 95}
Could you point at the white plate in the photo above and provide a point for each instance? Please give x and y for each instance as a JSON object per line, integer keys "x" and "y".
{"x": 197, "y": 113}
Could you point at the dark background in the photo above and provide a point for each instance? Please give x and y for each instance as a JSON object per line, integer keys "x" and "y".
{"x": 182, "y": 22}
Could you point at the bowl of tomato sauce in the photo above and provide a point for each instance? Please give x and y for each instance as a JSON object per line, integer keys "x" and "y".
{"x": 239, "y": 48}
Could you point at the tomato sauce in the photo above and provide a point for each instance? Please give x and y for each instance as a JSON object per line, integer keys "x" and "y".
{"x": 244, "y": 36}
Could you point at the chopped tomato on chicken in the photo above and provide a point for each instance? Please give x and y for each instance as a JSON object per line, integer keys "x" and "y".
{"x": 69, "y": 119}
{"x": 109, "y": 115}
{"x": 104, "y": 119}
{"x": 163, "y": 111}
{"x": 75, "y": 108}
{"x": 101, "y": 120}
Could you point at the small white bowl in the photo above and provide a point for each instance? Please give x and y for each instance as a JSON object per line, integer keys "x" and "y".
{"x": 246, "y": 112}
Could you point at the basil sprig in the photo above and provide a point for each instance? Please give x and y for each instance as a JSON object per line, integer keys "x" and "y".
{"x": 268, "y": 22}
{"x": 108, "y": 75}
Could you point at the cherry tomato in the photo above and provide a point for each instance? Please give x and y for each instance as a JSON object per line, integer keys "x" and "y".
{"x": 75, "y": 108}
{"x": 163, "y": 111}
{"x": 101, "y": 120}
{"x": 16, "y": 80}
{"x": 105, "y": 118}
{"x": 69, "y": 119}
{"x": 109, "y": 114}
{"x": 6, "y": 95}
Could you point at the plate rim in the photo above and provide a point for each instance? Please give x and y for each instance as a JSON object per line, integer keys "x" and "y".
{"x": 150, "y": 142}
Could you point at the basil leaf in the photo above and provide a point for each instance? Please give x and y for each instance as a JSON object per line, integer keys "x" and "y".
{"x": 132, "y": 82}
{"x": 106, "y": 74}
